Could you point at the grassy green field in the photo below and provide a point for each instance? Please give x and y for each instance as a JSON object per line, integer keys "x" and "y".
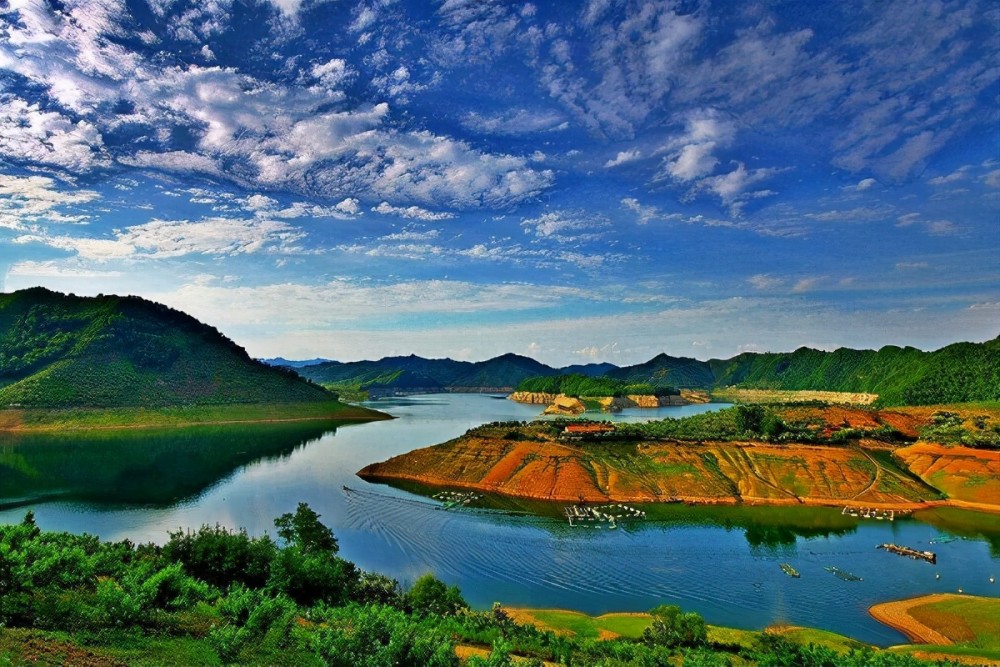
{"x": 583, "y": 626}
{"x": 973, "y": 623}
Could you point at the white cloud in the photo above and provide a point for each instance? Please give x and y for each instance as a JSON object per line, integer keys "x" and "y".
{"x": 332, "y": 74}
{"x": 733, "y": 188}
{"x": 412, "y": 235}
{"x": 623, "y": 157}
{"x": 515, "y": 122}
{"x": 260, "y": 202}
{"x": 992, "y": 179}
{"x": 53, "y": 269}
{"x": 862, "y": 185}
{"x": 959, "y": 174}
{"x": 912, "y": 266}
{"x": 182, "y": 162}
{"x": 412, "y": 212}
{"x": 942, "y": 228}
{"x": 162, "y": 239}
{"x": 765, "y": 281}
{"x": 31, "y": 201}
{"x": 28, "y": 134}
{"x": 691, "y": 155}
{"x": 807, "y": 284}
{"x": 647, "y": 213}
{"x": 595, "y": 353}
{"x": 567, "y": 226}
{"x": 349, "y": 206}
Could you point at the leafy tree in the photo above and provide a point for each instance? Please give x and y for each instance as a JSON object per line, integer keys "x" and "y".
{"x": 304, "y": 530}
{"x": 672, "y": 627}
{"x": 221, "y": 557}
{"x": 431, "y": 596}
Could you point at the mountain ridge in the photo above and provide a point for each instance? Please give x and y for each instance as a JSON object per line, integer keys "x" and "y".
{"x": 960, "y": 372}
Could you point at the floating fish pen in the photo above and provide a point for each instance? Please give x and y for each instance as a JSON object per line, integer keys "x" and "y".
{"x": 872, "y": 513}
{"x": 789, "y": 570}
{"x": 928, "y": 556}
{"x": 610, "y": 514}
{"x": 842, "y": 574}
{"x": 454, "y": 499}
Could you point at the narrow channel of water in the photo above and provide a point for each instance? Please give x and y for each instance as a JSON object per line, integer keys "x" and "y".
{"x": 721, "y": 562}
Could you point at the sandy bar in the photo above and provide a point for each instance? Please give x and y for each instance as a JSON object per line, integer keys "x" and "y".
{"x": 897, "y": 616}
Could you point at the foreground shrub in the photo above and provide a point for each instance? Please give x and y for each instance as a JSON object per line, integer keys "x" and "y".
{"x": 376, "y": 635}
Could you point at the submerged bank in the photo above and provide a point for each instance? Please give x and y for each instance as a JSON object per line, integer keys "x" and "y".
{"x": 46, "y": 420}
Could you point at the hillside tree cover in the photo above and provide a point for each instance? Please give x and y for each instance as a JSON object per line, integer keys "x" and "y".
{"x": 64, "y": 351}
{"x": 582, "y": 385}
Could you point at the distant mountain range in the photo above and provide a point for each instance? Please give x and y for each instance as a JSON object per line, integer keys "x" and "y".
{"x": 961, "y": 372}
{"x": 66, "y": 351}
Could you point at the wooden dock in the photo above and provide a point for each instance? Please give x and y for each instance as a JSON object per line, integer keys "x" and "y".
{"x": 928, "y": 556}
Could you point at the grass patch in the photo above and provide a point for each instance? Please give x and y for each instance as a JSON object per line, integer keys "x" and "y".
{"x": 830, "y": 640}
{"x": 970, "y": 621}
{"x": 582, "y": 626}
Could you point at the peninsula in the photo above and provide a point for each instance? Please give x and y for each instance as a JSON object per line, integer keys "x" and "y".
{"x": 904, "y": 458}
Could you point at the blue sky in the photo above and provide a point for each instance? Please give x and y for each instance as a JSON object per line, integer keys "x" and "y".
{"x": 592, "y": 181}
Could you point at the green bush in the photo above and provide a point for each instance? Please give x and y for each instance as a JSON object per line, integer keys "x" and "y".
{"x": 221, "y": 557}
{"x": 376, "y": 635}
{"x": 672, "y": 627}
{"x": 430, "y": 596}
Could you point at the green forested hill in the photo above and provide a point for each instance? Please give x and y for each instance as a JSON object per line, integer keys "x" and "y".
{"x": 60, "y": 350}
{"x": 664, "y": 370}
{"x": 958, "y": 373}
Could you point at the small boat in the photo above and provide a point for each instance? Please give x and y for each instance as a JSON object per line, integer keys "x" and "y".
{"x": 842, "y": 574}
{"x": 789, "y": 570}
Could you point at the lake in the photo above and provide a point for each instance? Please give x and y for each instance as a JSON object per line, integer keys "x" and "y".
{"x": 720, "y": 562}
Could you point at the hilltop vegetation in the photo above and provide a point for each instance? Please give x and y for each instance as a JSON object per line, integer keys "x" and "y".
{"x": 63, "y": 351}
{"x": 958, "y": 373}
{"x": 215, "y": 597}
{"x": 582, "y": 385}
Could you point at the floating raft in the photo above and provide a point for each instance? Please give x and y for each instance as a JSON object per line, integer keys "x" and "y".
{"x": 928, "y": 556}
{"x": 789, "y": 570}
{"x": 454, "y": 499}
{"x": 872, "y": 513}
{"x": 610, "y": 514}
{"x": 842, "y": 574}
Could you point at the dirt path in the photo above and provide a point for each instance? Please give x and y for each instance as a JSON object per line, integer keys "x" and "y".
{"x": 875, "y": 479}
{"x": 897, "y": 615}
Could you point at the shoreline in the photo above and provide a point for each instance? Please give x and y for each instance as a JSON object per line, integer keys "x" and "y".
{"x": 690, "y": 500}
{"x": 895, "y": 614}
{"x": 71, "y": 420}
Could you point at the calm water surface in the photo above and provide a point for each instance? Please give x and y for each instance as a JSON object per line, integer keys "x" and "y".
{"x": 721, "y": 562}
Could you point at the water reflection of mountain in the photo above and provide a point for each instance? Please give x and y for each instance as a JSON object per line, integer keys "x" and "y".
{"x": 145, "y": 467}
{"x": 764, "y": 527}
